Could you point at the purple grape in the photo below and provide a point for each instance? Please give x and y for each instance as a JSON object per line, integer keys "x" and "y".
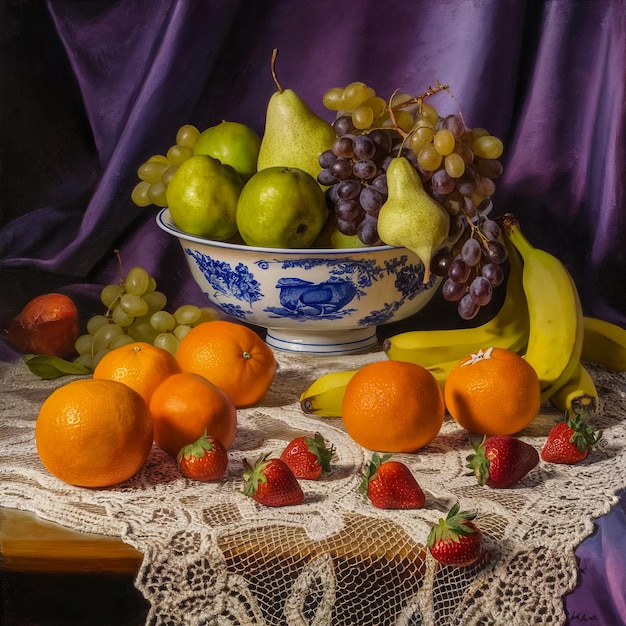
{"x": 380, "y": 184}
{"x": 347, "y": 210}
{"x": 365, "y": 169}
{"x": 440, "y": 263}
{"x": 364, "y": 147}
{"x": 343, "y": 125}
{"x": 493, "y": 273}
{"x": 383, "y": 142}
{"x": 327, "y": 158}
{"x": 454, "y": 124}
{"x": 468, "y": 182}
{"x": 459, "y": 271}
{"x": 442, "y": 183}
{"x": 496, "y": 252}
{"x": 451, "y": 291}
{"x": 347, "y": 227}
{"x": 467, "y": 308}
{"x": 371, "y": 200}
{"x": 348, "y": 189}
{"x": 342, "y": 168}
{"x": 480, "y": 291}
{"x": 490, "y": 168}
{"x": 471, "y": 252}
{"x": 326, "y": 177}
{"x": 367, "y": 231}
{"x": 344, "y": 147}
{"x": 490, "y": 229}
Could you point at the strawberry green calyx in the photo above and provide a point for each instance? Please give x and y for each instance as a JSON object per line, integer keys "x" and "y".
{"x": 253, "y": 474}
{"x": 479, "y": 462}
{"x": 197, "y": 449}
{"x": 369, "y": 471}
{"x": 324, "y": 454}
{"x": 453, "y": 527}
{"x": 583, "y": 435}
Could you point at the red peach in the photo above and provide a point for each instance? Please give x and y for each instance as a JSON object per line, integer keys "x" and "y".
{"x": 48, "y": 325}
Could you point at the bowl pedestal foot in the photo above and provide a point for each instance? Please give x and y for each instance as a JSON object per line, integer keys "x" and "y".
{"x": 322, "y": 342}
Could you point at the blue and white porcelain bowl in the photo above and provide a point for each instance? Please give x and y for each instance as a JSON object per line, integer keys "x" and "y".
{"x": 317, "y": 300}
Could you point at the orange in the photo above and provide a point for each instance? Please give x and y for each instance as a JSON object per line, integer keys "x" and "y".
{"x": 493, "y": 392}
{"x": 93, "y": 433}
{"x": 231, "y": 356}
{"x": 392, "y": 406}
{"x": 139, "y": 365}
{"x": 184, "y": 406}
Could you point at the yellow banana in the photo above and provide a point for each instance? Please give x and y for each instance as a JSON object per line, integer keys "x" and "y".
{"x": 555, "y": 337}
{"x": 604, "y": 344}
{"x": 579, "y": 390}
{"x": 324, "y": 396}
{"x": 507, "y": 329}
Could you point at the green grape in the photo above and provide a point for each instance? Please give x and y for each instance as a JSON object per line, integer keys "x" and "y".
{"x": 399, "y": 98}
{"x": 187, "y": 135}
{"x": 151, "y": 171}
{"x": 133, "y": 305}
{"x": 120, "y": 317}
{"x": 420, "y": 138}
{"x": 95, "y": 359}
{"x": 137, "y": 281}
{"x": 168, "y": 173}
{"x": 428, "y": 158}
{"x": 103, "y": 336}
{"x": 162, "y": 321}
{"x": 444, "y": 141}
{"x": 333, "y": 99}
{"x": 187, "y": 314}
{"x": 377, "y": 104}
{"x": 181, "y": 330}
{"x": 121, "y": 340}
{"x": 178, "y": 154}
{"x": 139, "y": 194}
{"x": 141, "y": 330}
{"x": 156, "y": 300}
{"x": 156, "y": 193}
{"x": 111, "y": 294}
{"x": 83, "y": 344}
{"x": 152, "y": 285}
{"x": 362, "y": 117}
{"x": 354, "y": 94}
{"x": 159, "y": 158}
{"x": 488, "y": 147}
{"x": 207, "y": 314}
{"x": 167, "y": 341}
{"x": 86, "y": 360}
{"x": 454, "y": 164}
{"x": 95, "y": 322}
{"x": 430, "y": 113}
{"x": 423, "y": 122}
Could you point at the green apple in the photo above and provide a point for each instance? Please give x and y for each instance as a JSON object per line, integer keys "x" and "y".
{"x": 202, "y": 198}
{"x": 233, "y": 144}
{"x": 281, "y": 207}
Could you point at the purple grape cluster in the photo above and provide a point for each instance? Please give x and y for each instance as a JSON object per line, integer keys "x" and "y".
{"x": 473, "y": 268}
{"x": 354, "y": 172}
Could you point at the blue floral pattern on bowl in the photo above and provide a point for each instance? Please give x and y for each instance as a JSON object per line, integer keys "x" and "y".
{"x": 304, "y": 300}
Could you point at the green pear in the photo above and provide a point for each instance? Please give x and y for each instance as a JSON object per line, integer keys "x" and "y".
{"x": 294, "y": 136}
{"x": 410, "y": 217}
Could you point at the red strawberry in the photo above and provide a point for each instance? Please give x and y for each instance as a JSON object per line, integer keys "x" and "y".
{"x": 390, "y": 485}
{"x": 570, "y": 441}
{"x": 206, "y": 459}
{"x": 271, "y": 482}
{"x": 308, "y": 457}
{"x": 502, "y": 460}
{"x": 456, "y": 540}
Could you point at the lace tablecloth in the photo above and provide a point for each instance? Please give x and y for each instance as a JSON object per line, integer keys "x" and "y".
{"x": 214, "y": 556}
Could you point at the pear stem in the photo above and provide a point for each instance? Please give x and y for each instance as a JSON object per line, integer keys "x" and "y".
{"x": 273, "y": 65}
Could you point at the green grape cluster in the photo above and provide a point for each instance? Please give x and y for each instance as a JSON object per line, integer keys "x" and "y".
{"x": 135, "y": 311}
{"x": 156, "y": 173}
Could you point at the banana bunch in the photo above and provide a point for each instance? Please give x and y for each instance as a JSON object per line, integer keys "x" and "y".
{"x": 541, "y": 317}
{"x": 508, "y": 329}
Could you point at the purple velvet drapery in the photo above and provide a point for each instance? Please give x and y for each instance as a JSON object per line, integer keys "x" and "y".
{"x": 90, "y": 89}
